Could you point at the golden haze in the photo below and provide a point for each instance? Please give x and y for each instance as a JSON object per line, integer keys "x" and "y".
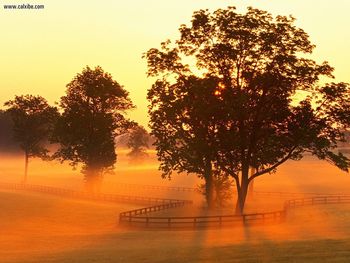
{"x": 41, "y": 51}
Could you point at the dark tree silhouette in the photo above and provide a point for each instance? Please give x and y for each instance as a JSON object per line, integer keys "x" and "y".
{"x": 257, "y": 65}
{"x": 7, "y": 141}
{"x": 138, "y": 142}
{"x": 33, "y": 120}
{"x": 183, "y": 119}
{"x": 222, "y": 189}
{"x": 92, "y": 117}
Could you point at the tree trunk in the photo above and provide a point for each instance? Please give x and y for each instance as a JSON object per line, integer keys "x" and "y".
{"x": 26, "y": 160}
{"x": 242, "y": 189}
{"x": 251, "y": 184}
{"x": 239, "y": 196}
{"x": 209, "y": 187}
{"x": 209, "y": 190}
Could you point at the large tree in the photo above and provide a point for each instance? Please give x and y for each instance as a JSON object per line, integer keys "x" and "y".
{"x": 249, "y": 68}
{"x": 33, "y": 120}
{"x": 91, "y": 119}
{"x": 183, "y": 116}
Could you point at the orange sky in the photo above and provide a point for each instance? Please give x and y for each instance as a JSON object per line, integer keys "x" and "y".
{"x": 42, "y": 50}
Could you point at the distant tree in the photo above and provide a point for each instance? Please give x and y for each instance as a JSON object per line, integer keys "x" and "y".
{"x": 222, "y": 189}
{"x": 250, "y": 67}
{"x": 7, "y": 142}
{"x": 33, "y": 120}
{"x": 138, "y": 142}
{"x": 91, "y": 119}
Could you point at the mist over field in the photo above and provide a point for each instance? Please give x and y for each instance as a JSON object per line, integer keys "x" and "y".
{"x": 42, "y": 228}
{"x": 308, "y": 175}
{"x": 175, "y": 131}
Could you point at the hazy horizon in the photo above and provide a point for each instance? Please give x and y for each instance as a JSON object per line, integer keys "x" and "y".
{"x": 43, "y": 50}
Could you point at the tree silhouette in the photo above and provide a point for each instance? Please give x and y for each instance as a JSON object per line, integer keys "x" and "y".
{"x": 7, "y": 141}
{"x": 33, "y": 120}
{"x": 138, "y": 143}
{"x": 249, "y": 69}
{"x": 92, "y": 117}
{"x": 183, "y": 119}
{"x": 222, "y": 189}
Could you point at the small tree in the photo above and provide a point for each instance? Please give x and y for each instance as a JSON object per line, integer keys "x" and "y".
{"x": 92, "y": 117}
{"x": 33, "y": 120}
{"x": 138, "y": 143}
{"x": 222, "y": 189}
{"x": 257, "y": 65}
{"x": 7, "y": 141}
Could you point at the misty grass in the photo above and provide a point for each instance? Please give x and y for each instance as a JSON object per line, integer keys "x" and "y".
{"x": 42, "y": 228}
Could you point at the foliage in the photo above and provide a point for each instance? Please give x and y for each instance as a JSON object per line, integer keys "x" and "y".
{"x": 236, "y": 108}
{"x": 7, "y": 142}
{"x": 91, "y": 119}
{"x": 33, "y": 120}
{"x": 138, "y": 142}
{"x": 222, "y": 189}
{"x": 182, "y": 118}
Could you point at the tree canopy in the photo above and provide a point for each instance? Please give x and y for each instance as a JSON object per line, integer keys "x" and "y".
{"x": 138, "y": 142}
{"x": 93, "y": 115}
{"x": 225, "y": 98}
{"x": 33, "y": 120}
{"x": 7, "y": 142}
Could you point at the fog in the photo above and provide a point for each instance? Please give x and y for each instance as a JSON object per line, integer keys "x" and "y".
{"x": 35, "y": 227}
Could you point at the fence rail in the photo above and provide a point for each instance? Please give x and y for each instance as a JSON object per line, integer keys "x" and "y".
{"x": 193, "y": 189}
{"x": 138, "y": 218}
{"x": 135, "y": 220}
{"x": 155, "y": 187}
{"x": 291, "y": 194}
{"x": 87, "y": 195}
{"x": 198, "y": 221}
{"x": 317, "y": 200}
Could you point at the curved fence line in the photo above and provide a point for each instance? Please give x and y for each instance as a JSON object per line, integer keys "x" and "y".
{"x": 198, "y": 221}
{"x": 134, "y": 220}
{"x": 137, "y": 218}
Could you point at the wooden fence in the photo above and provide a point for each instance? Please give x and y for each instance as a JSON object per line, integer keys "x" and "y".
{"x": 155, "y": 187}
{"x": 317, "y": 200}
{"x": 192, "y": 189}
{"x": 197, "y": 221}
{"x": 138, "y": 218}
{"x": 135, "y": 220}
{"x": 87, "y": 195}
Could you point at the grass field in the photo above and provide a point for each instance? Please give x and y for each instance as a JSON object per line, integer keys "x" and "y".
{"x": 37, "y": 228}
{"x": 42, "y": 228}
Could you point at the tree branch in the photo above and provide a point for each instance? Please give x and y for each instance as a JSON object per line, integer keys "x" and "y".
{"x": 267, "y": 170}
